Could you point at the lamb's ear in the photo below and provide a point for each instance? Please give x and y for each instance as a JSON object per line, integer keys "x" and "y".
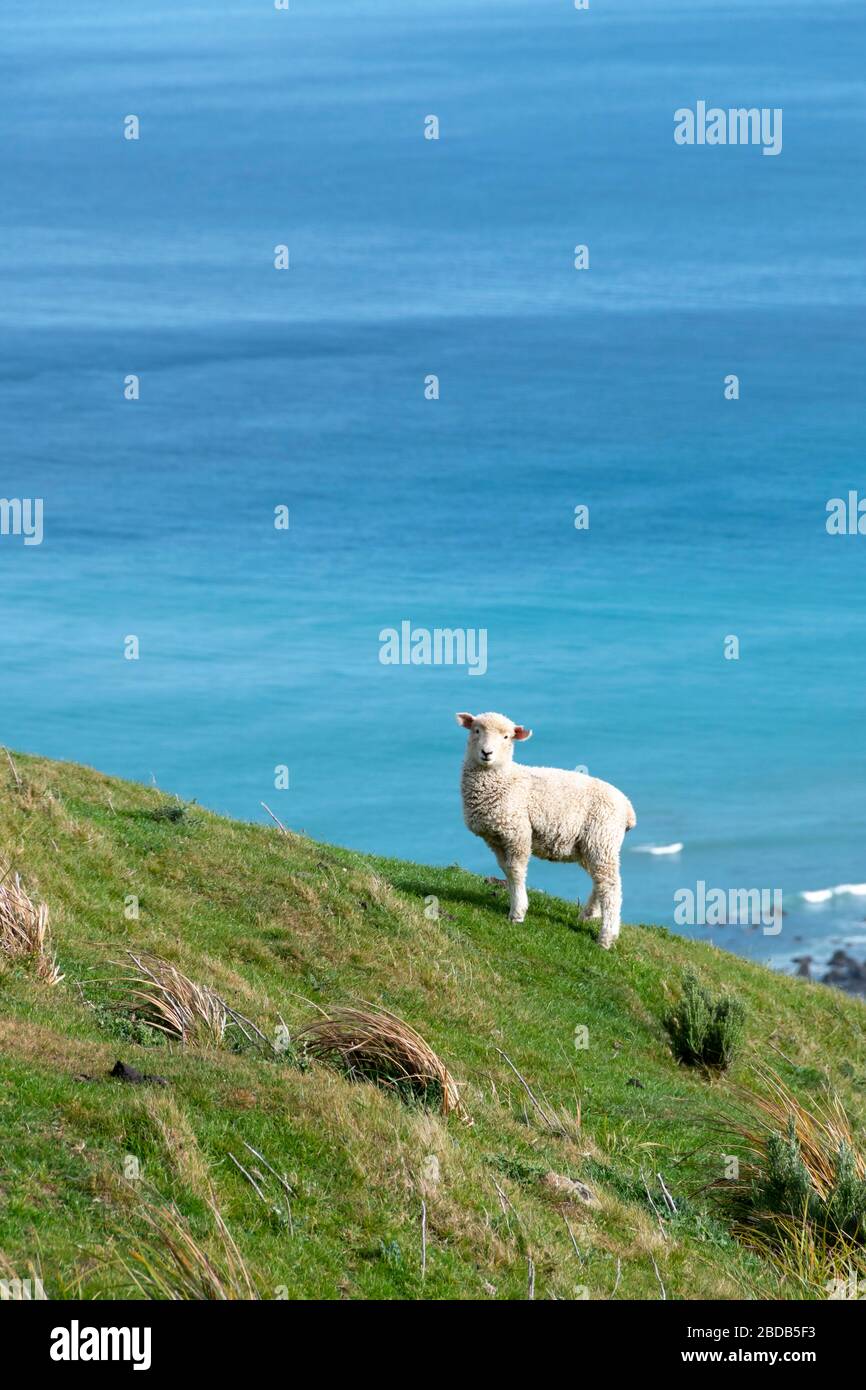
{"x": 520, "y": 732}
{"x": 465, "y": 719}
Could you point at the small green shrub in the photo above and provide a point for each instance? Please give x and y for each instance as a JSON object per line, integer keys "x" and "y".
{"x": 705, "y": 1028}
{"x": 845, "y": 1207}
{"x": 786, "y": 1188}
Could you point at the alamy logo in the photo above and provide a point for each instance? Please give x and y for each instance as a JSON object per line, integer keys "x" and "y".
{"x": 852, "y": 1287}
{"x": 739, "y": 125}
{"x": 22, "y": 516}
{"x": 439, "y": 646}
{"x": 846, "y": 517}
{"x": 21, "y": 1290}
{"x": 77, "y": 1343}
{"x": 735, "y": 907}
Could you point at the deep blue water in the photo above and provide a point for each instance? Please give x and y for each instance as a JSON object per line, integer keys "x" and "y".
{"x": 558, "y": 387}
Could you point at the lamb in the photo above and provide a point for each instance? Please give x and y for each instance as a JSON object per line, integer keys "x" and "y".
{"x": 563, "y": 816}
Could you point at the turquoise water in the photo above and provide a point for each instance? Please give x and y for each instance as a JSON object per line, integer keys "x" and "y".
{"x": 305, "y": 388}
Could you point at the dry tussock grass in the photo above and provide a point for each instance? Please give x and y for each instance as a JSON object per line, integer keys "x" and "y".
{"x": 24, "y": 933}
{"x": 820, "y": 1130}
{"x": 171, "y": 1002}
{"x": 796, "y": 1201}
{"x": 373, "y": 1044}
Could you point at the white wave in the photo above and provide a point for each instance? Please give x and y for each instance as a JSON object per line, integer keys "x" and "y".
{"x": 659, "y": 849}
{"x": 823, "y": 895}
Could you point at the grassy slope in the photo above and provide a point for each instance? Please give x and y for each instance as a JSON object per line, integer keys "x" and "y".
{"x": 272, "y": 922}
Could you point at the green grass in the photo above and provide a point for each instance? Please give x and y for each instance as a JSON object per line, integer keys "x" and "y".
{"x": 278, "y": 925}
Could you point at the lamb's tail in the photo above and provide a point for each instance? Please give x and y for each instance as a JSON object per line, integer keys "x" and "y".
{"x": 630, "y": 817}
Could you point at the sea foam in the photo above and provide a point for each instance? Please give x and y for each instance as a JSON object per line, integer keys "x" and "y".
{"x": 823, "y": 895}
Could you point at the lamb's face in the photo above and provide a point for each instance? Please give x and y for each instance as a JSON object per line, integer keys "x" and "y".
{"x": 491, "y": 738}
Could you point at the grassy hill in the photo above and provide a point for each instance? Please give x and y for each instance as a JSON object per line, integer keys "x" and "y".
{"x": 278, "y": 924}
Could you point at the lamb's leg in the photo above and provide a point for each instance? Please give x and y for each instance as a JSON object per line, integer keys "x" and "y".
{"x": 591, "y": 907}
{"x": 514, "y": 867}
{"x": 608, "y": 886}
{"x": 516, "y": 875}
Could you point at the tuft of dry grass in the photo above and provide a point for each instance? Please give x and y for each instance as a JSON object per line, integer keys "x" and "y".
{"x": 799, "y": 1197}
{"x": 175, "y": 1004}
{"x": 170, "y": 1264}
{"x": 24, "y": 933}
{"x": 372, "y": 1044}
{"x": 806, "y": 1264}
{"x": 820, "y": 1131}
{"x": 170, "y": 1001}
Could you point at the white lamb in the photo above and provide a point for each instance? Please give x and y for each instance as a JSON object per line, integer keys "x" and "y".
{"x": 563, "y": 816}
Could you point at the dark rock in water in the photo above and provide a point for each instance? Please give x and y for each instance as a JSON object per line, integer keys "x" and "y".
{"x": 840, "y": 960}
{"x": 803, "y": 963}
{"x": 846, "y": 973}
{"x": 136, "y": 1078}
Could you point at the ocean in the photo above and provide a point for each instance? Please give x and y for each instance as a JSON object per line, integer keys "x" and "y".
{"x": 307, "y": 388}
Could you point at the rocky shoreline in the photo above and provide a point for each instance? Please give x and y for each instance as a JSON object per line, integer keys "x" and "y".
{"x": 843, "y": 972}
